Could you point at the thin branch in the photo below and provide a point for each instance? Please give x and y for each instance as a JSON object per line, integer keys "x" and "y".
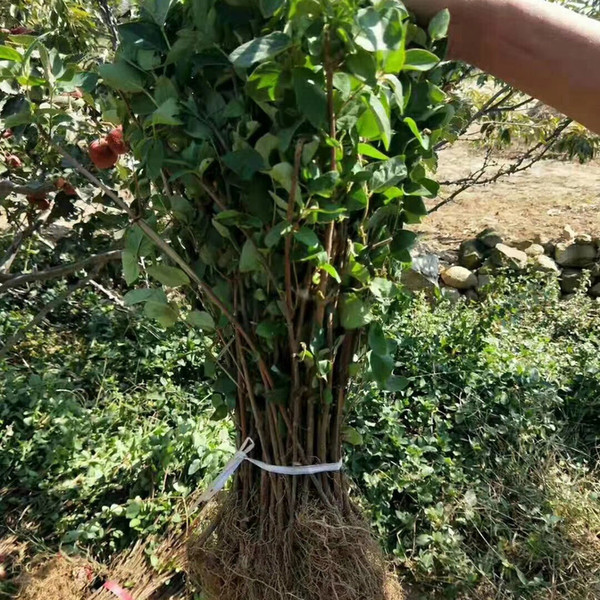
{"x": 13, "y": 250}
{"x": 489, "y": 105}
{"x": 60, "y": 271}
{"x": 20, "y": 334}
{"x": 168, "y": 251}
{"x": 110, "y": 22}
{"x": 524, "y": 162}
{"x": 8, "y": 187}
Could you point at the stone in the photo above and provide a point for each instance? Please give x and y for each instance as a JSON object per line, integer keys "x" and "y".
{"x": 549, "y": 248}
{"x": 567, "y": 234}
{"x": 459, "y": 278}
{"x": 489, "y": 237}
{"x": 422, "y": 274}
{"x": 534, "y": 250}
{"x": 570, "y": 280}
{"x": 470, "y": 255}
{"x": 471, "y": 295}
{"x": 505, "y": 256}
{"x": 573, "y": 254}
{"x": 452, "y": 294}
{"x": 584, "y": 238}
{"x": 483, "y": 280}
{"x": 595, "y": 271}
{"x": 595, "y": 291}
{"x": 541, "y": 262}
{"x": 541, "y": 239}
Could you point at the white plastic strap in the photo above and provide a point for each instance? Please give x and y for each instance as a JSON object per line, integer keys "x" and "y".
{"x": 242, "y": 454}
{"x": 297, "y": 469}
{"x": 230, "y": 468}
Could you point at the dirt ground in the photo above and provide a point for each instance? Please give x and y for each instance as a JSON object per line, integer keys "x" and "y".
{"x": 541, "y": 200}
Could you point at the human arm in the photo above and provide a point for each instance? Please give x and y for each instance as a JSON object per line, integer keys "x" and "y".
{"x": 540, "y": 48}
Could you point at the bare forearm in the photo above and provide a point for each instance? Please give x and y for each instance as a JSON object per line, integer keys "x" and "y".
{"x": 540, "y": 48}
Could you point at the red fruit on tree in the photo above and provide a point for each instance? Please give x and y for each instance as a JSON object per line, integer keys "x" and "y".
{"x": 102, "y": 155}
{"x": 70, "y": 191}
{"x": 39, "y": 200}
{"x": 77, "y": 94}
{"x": 21, "y": 30}
{"x": 7, "y": 133}
{"x": 116, "y": 142}
{"x": 13, "y": 162}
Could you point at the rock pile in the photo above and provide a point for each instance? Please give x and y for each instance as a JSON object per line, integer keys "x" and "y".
{"x": 573, "y": 259}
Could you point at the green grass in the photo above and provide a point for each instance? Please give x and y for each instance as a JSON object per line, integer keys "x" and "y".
{"x": 480, "y": 476}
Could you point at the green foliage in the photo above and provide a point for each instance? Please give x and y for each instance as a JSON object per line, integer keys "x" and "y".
{"x": 105, "y": 424}
{"x": 466, "y": 471}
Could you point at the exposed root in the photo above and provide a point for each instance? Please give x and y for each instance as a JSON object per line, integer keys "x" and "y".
{"x": 321, "y": 554}
{"x": 58, "y": 578}
{"x": 134, "y": 572}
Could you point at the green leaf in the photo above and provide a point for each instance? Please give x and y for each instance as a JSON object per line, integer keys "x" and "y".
{"x": 155, "y": 156}
{"x": 122, "y": 76}
{"x": 220, "y": 413}
{"x": 165, "y": 314}
{"x": 381, "y": 366}
{"x": 415, "y": 205}
{"x": 363, "y": 66}
{"x": 388, "y": 174}
{"x": 396, "y": 86}
{"x": 194, "y": 466}
{"x": 157, "y": 9}
{"x": 368, "y": 150}
{"x": 165, "y": 113}
{"x": 131, "y": 269}
{"x": 201, "y": 319}
{"x": 424, "y": 141}
{"x": 377, "y": 341}
{"x": 276, "y": 232}
{"x": 378, "y": 30}
{"x": 143, "y": 295}
{"x": 182, "y": 208}
{"x": 324, "y": 185}
{"x": 264, "y": 81}
{"x": 381, "y": 288}
{"x": 438, "y": 26}
{"x": 329, "y": 268}
{"x": 259, "y": 49}
{"x": 168, "y": 276}
{"x": 353, "y": 312}
{"x": 381, "y": 119}
{"x": 403, "y": 241}
{"x": 396, "y": 384}
{"x": 420, "y": 60}
{"x": 250, "y": 258}
{"x": 311, "y": 98}
{"x": 269, "y": 7}
{"x": 270, "y": 330}
{"x": 7, "y": 53}
{"x": 244, "y": 162}
{"x": 351, "y": 436}
{"x": 307, "y": 237}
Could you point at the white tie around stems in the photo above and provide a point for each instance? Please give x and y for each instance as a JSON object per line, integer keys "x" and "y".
{"x": 242, "y": 454}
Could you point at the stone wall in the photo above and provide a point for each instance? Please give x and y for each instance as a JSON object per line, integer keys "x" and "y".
{"x": 467, "y": 271}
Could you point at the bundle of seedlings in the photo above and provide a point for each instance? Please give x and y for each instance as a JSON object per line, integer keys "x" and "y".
{"x": 280, "y": 150}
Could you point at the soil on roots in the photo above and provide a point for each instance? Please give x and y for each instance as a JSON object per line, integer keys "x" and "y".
{"x": 322, "y": 553}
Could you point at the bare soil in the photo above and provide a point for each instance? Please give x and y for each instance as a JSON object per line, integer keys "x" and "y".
{"x": 541, "y": 200}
